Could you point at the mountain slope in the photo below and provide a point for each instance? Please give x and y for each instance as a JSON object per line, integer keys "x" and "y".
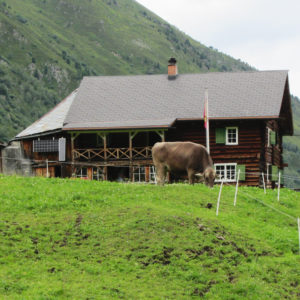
{"x": 291, "y": 148}
{"x": 48, "y": 46}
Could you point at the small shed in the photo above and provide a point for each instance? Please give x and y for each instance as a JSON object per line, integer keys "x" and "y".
{"x": 2, "y": 146}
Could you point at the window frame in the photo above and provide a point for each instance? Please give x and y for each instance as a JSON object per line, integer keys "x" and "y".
{"x": 152, "y": 174}
{"x": 225, "y": 172}
{"x": 140, "y": 172}
{"x": 237, "y": 135}
{"x": 97, "y": 174}
{"x": 79, "y": 173}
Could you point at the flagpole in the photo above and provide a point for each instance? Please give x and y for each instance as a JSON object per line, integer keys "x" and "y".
{"x": 207, "y": 121}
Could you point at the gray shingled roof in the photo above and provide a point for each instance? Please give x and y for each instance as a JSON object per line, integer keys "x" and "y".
{"x": 53, "y": 120}
{"x": 146, "y": 101}
{"x": 107, "y": 102}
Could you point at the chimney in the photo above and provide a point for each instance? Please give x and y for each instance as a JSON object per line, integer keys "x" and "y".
{"x": 172, "y": 68}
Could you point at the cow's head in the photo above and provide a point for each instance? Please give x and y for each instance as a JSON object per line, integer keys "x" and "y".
{"x": 209, "y": 176}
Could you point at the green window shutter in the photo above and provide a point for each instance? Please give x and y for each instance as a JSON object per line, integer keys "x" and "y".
{"x": 273, "y": 138}
{"x": 242, "y": 169}
{"x": 220, "y": 135}
{"x": 274, "y": 173}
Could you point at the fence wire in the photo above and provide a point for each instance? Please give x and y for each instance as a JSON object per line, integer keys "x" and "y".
{"x": 127, "y": 166}
{"x": 266, "y": 204}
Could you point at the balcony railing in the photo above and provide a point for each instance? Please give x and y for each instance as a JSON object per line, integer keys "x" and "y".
{"x": 113, "y": 153}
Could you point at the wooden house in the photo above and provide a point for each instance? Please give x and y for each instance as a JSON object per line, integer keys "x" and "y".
{"x": 106, "y": 128}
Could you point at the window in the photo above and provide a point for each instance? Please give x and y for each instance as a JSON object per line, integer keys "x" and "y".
{"x": 98, "y": 174}
{"x": 227, "y": 136}
{"x": 226, "y": 172}
{"x": 81, "y": 173}
{"x": 139, "y": 174}
{"x": 45, "y": 145}
{"x": 231, "y": 135}
{"x": 152, "y": 174}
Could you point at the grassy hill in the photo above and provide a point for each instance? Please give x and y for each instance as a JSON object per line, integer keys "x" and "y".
{"x": 76, "y": 239}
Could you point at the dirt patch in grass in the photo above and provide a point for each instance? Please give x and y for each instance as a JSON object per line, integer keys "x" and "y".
{"x": 205, "y": 290}
{"x": 163, "y": 258}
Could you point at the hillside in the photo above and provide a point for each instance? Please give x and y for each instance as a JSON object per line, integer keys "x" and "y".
{"x": 47, "y": 47}
{"x": 291, "y": 146}
{"x": 77, "y": 239}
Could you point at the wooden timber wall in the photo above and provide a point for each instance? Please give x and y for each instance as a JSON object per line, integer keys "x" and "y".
{"x": 252, "y": 149}
{"x": 39, "y": 168}
{"x": 248, "y": 152}
{"x": 273, "y": 153}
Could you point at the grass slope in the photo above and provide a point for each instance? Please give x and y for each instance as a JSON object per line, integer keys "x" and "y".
{"x": 75, "y": 239}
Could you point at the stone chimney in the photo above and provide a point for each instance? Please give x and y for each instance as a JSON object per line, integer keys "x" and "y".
{"x": 172, "y": 68}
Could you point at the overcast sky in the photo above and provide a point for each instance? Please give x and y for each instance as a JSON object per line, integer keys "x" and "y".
{"x": 263, "y": 33}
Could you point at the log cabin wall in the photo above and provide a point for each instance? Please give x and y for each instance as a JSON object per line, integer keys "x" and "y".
{"x": 273, "y": 153}
{"x": 252, "y": 149}
{"x": 273, "y": 149}
{"x": 55, "y": 168}
{"x": 28, "y": 148}
{"x": 248, "y": 151}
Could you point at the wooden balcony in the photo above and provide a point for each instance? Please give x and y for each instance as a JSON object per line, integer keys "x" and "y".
{"x": 112, "y": 154}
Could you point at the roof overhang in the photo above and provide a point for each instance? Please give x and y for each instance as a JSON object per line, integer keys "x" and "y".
{"x": 286, "y": 114}
{"x": 116, "y": 129}
{"x": 36, "y": 135}
{"x": 230, "y": 118}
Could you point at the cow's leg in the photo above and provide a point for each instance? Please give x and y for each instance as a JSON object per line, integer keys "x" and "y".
{"x": 191, "y": 175}
{"x": 160, "y": 174}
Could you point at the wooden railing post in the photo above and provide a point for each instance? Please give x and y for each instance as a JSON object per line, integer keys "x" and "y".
{"x": 103, "y": 135}
{"x": 74, "y": 135}
{"x": 161, "y": 133}
{"x": 132, "y": 134}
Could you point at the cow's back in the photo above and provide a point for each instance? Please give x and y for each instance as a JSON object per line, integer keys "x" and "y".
{"x": 179, "y": 155}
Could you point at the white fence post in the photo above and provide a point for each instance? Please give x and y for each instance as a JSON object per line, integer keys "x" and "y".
{"x": 278, "y": 195}
{"x": 299, "y": 233}
{"x": 263, "y": 178}
{"x": 236, "y": 187}
{"x": 47, "y": 168}
{"x": 219, "y": 198}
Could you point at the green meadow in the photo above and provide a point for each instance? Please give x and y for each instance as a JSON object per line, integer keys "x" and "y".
{"x": 77, "y": 239}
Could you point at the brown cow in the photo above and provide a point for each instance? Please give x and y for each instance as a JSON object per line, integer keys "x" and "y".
{"x": 181, "y": 157}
